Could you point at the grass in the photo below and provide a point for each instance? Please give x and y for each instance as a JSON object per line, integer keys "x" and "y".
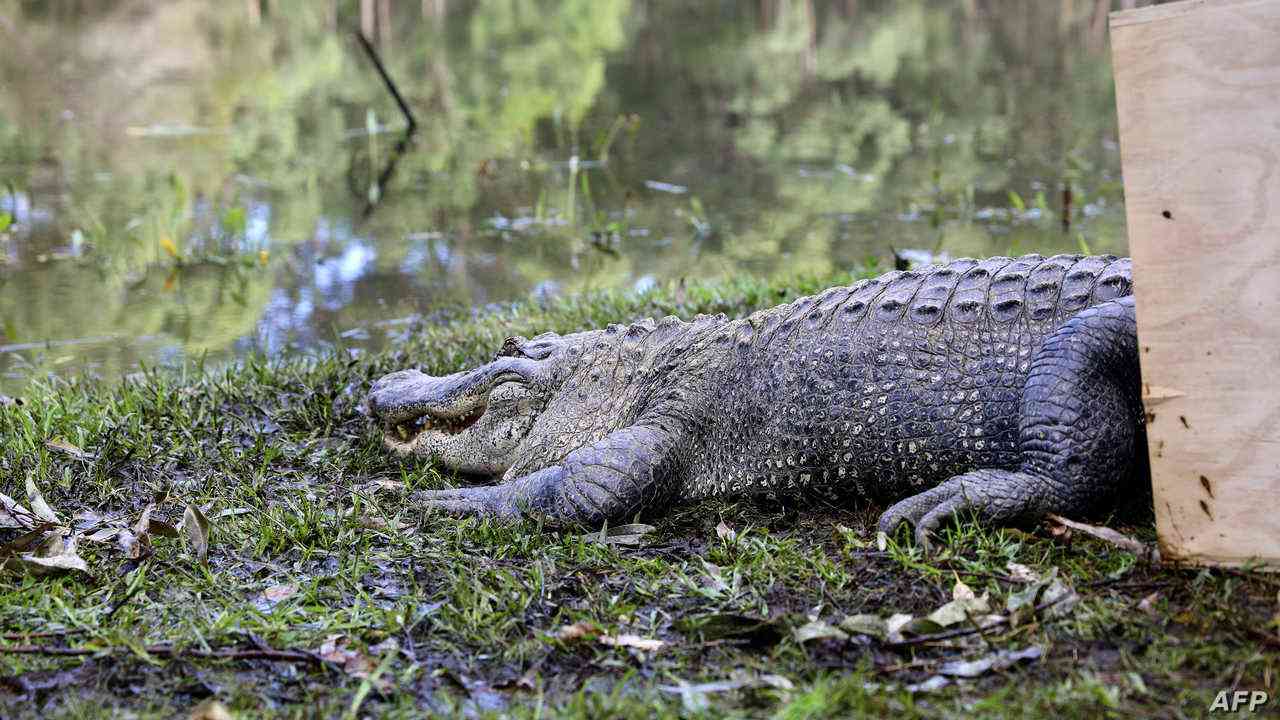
{"x": 315, "y": 548}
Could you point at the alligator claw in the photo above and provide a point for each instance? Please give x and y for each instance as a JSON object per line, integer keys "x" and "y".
{"x": 994, "y": 496}
{"x": 483, "y": 501}
{"x": 525, "y": 497}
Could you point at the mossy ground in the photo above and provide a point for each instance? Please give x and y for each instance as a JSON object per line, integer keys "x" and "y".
{"x": 315, "y": 541}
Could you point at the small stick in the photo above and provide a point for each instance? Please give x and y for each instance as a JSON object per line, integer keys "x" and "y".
{"x": 171, "y": 652}
{"x": 395, "y": 92}
{"x": 42, "y": 634}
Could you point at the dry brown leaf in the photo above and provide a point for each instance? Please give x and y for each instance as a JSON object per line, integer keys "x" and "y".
{"x": 576, "y": 631}
{"x": 13, "y": 515}
{"x": 24, "y": 542}
{"x": 162, "y": 528}
{"x": 38, "y": 505}
{"x": 632, "y": 641}
{"x": 818, "y": 630}
{"x": 143, "y": 526}
{"x": 383, "y": 484}
{"x": 196, "y": 526}
{"x": 62, "y": 445}
{"x": 106, "y": 534}
{"x": 210, "y": 709}
{"x": 276, "y": 593}
{"x": 726, "y": 533}
{"x": 353, "y": 662}
{"x": 134, "y": 546}
{"x": 1022, "y": 573}
{"x": 57, "y": 555}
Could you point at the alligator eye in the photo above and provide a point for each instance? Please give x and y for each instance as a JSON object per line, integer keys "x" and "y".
{"x": 511, "y": 347}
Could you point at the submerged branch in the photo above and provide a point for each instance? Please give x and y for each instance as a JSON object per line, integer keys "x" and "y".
{"x": 386, "y": 78}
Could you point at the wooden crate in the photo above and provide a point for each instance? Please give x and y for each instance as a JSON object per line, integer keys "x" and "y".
{"x": 1198, "y": 94}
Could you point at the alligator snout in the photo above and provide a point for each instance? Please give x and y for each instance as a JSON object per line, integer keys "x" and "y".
{"x": 397, "y": 397}
{"x": 409, "y": 403}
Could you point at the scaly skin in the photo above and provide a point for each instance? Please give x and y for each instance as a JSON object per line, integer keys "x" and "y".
{"x": 1005, "y": 388}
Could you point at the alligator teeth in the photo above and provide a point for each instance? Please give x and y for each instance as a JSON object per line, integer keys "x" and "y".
{"x": 408, "y": 430}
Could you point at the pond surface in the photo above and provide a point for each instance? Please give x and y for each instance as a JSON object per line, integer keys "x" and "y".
{"x": 183, "y": 180}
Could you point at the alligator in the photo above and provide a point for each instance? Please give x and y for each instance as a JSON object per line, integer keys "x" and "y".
{"x": 999, "y": 389}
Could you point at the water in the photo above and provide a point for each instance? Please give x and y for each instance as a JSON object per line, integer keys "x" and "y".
{"x": 194, "y": 180}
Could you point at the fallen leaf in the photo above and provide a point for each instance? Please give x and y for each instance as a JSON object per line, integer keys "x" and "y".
{"x": 13, "y": 515}
{"x": 210, "y": 709}
{"x": 38, "y": 505}
{"x": 58, "y": 555}
{"x": 352, "y": 661}
{"x": 933, "y": 684}
{"x": 694, "y": 696}
{"x": 998, "y": 660}
{"x": 965, "y": 604}
{"x": 106, "y": 534}
{"x": 134, "y": 546}
{"x": 24, "y": 542}
{"x": 756, "y": 631}
{"x": 1021, "y": 601}
{"x": 196, "y": 526}
{"x": 1022, "y": 573}
{"x": 163, "y": 529}
{"x": 872, "y": 625}
{"x": 1062, "y": 597}
{"x": 818, "y": 630}
{"x": 62, "y": 445}
{"x": 629, "y": 534}
{"x": 383, "y": 484}
{"x": 576, "y": 631}
{"x": 632, "y": 641}
{"x": 276, "y": 593}
{"x": 143, "y": 526}
{"x": 1148, "y": 604}
{"x": 726, "y": 533}
{"x": 896, "y": 624}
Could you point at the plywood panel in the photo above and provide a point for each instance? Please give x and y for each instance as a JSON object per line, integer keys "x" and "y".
{"x": 1198, "y": 94}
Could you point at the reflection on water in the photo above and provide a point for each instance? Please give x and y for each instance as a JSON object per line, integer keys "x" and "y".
{"x": 186, "y": 179}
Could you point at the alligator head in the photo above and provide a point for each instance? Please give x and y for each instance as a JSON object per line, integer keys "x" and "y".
{"x": 482, "y": 421}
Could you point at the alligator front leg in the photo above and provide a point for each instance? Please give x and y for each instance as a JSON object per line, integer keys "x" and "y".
{"x": 1080, "y": 428}
{"x": 615, "y": 477}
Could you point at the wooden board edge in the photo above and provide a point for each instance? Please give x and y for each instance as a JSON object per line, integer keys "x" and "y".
{"x": 1168, "y": 11}
{"x": 1200, "y": 560}
{"x": 1172, "y": 555}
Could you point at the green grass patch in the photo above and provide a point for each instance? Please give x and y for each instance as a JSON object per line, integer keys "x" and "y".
{"x": 317, "y": 550}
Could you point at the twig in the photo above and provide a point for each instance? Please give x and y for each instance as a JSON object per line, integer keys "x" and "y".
{"x": 42, "y": 634}
{"x": 395, "y": 92}
{"x": 169, "y": 651}
{"x": 1266, "y": 637}
{"x": 1143, "y": 551}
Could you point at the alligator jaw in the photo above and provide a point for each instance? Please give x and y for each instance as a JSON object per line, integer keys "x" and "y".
{"x": 403, "y": 435}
